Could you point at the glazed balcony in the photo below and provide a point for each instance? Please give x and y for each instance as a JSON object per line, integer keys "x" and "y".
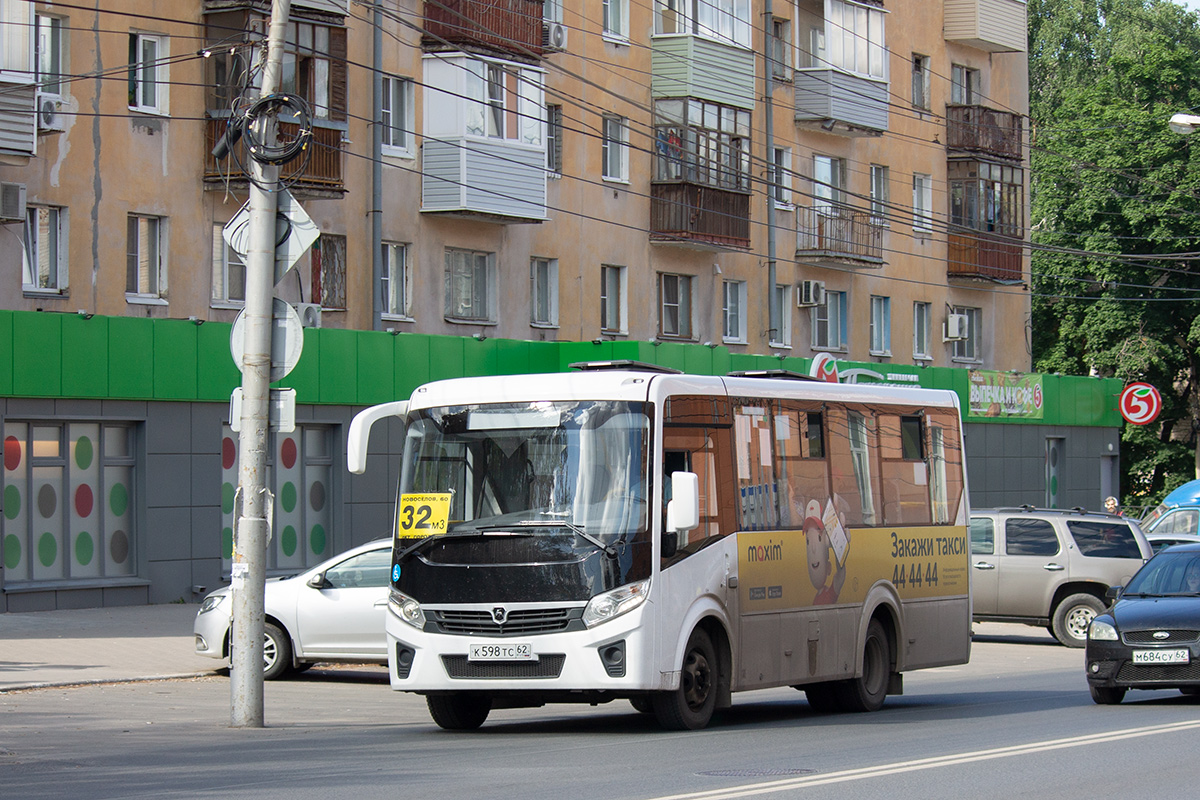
{"x": 997, "y": 26}
{"x": 974, "y": 254}
{"x": 322, "y": 175}
{"x": 835, "y": 236}
{"x": 983, "y": 130}
{"x": 697, "y": 214}
{"x": 509, "y": 26}
{"x": 841, "y": 103}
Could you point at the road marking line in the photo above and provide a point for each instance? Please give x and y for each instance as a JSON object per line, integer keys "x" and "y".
{"x": 900, "y": 767}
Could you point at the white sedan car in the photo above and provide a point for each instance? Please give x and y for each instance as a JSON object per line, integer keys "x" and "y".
{"x": 331, "y": 612}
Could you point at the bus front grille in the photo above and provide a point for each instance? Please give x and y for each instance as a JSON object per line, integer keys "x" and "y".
{"x": 548, "y": 665}
{"x": 519, "y": 622}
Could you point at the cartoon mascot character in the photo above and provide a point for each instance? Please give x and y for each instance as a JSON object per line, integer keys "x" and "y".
{"x": 821, "y": 558}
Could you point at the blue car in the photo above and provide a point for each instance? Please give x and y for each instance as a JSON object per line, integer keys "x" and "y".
{"x": 1179, "y": 512}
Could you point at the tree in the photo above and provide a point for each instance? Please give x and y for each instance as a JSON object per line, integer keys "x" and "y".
{"x": 1115, "y": 199}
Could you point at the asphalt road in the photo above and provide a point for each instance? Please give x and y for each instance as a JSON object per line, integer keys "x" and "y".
{"x": 1017, "y": 721}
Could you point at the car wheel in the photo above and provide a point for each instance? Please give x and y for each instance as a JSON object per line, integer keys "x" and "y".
{"x": 690, "y": 707}
{"x": 459, "y": 712}
{"x": 277, "y": 652}
{"x": 1108, "y": 695}
{"x": 822, "y": 697}
{"x": 867, "y": 692}
{"x": 1072, "y": 618}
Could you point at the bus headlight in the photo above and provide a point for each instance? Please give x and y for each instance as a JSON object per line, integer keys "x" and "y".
{"x": 613, "y": 604}
{"x": 406, "y": 609}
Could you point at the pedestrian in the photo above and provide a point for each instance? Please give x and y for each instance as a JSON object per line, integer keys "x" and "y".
{"x": 1111, "y": 505}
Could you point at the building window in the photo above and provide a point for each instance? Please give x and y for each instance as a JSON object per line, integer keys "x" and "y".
{"x": 701, "y": 142}
{"x": 229, "y": 270}
{"x": 44, "y": 259}
{"x": 726, "y": 20}
{"x": 329, "y": 271}
{"x": 829, "y": 323}
{"x": 922, "y": 200}
{"x": 782, "y": 307}
{"x": 781, "y": 176}
{"x": 314, "y": 67}
{"x": 987, "y": 197}
{"x": 733, "y": 311}
{"x": 48, "y": 54}
{"x": 396, "y": 288}
{"x": 69, "y": 501}
{"x": 543, "y": 292}
{"x": 554, "y": 134}
{"x": 881, "y": 326}
{"x": 16, "y": 17}
{"x": 300, "y": 470}
{"x": 396, "y": 115}
{"x": 781, "y": 49}
{"x": 969, "y": 349}
{"x": 504, "y": 101}
{"x": 964, "y": 85}
{"x": 613, "y": 149}
{"x": 145, "y": 265}
{"x": 829, "y": 183}
{"x": 922, "y": 330}
{"x": 675, "y": 305}
{"x": 616, "y": 18}
{"x": 920, "y": 81}
{"x": 852, "y": 39}
{"x": 552, "y": 10}
{"x": 148, "y": 73}
{"x": 613, "y": 318}
{"x": 879, "y": 194}
{"x": 470, "y": 286}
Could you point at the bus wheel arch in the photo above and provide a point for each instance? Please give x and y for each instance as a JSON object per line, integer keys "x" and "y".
{"x": 690, "y": 706}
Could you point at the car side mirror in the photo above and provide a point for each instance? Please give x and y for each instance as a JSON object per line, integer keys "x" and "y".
{"x": 1113, "y": 594}
{"x": 319, "y": 581}
{"x": 683, "y": 510}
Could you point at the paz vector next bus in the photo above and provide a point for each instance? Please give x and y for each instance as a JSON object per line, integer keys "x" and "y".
{"x": 624, "y": 531}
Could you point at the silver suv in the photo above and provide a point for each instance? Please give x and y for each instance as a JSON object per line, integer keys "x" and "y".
{"x": 1050, "y": 567}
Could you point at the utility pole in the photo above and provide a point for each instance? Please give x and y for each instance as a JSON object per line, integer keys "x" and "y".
{"x": 250, "y": 531}
{"x": 774, "y": 315}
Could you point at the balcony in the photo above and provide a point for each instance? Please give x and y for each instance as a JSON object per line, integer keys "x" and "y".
{"x": 509, "y": 26}
{"x": 683, "y": 65}
{"x": 322, "y": 175}
{"x": 835, "y": 236}
{"x": 979, "y": 129}
{"x": 841, "y": 103}
{"x": 974, "y": 254}
{"x": 997, "y": 26}
{"x": 699, "y": 215}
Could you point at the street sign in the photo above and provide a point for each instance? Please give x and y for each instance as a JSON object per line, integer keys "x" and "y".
{"x": 295, "y": 232}
{"x": 287, "y": 339}
{"x": 1140, "y": 403}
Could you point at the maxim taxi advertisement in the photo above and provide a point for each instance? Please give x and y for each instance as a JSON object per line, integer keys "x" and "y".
{"x": 825, "y": 563}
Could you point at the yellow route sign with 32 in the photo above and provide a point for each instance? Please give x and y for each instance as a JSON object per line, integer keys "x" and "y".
{"x": 422, "y": 515}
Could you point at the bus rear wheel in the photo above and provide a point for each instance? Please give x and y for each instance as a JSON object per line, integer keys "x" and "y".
{"x": 690, "y": 707}
{"x": 867, "y": 692}
{"x": 459, "y": 712}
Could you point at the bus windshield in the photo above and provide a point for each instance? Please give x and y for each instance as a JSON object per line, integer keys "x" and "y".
{"x": 537, "y": 466}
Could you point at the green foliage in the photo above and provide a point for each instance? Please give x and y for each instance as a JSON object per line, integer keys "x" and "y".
{"x": 1109, "y": 177}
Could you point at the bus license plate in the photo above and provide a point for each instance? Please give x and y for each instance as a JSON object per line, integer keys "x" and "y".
{"x": 515, "y": 651}
{"x": 1178, "y": 656}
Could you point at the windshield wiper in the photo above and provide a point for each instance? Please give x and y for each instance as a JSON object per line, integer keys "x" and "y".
{"x": 578, "y": 530}
{"x": 434, "y": 537}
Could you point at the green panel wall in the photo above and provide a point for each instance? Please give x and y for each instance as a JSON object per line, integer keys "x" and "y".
{"x": 66, "y": 355}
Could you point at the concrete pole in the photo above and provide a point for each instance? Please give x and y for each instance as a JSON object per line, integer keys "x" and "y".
{"x": 774, "y": 315}
{"x": 250, "y": 539}
{"x": 377, "y": 169}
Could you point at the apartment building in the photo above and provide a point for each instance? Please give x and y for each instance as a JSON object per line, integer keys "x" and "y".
{"x": 776, "y": 178}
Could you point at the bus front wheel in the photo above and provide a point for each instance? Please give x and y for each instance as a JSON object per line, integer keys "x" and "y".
{"x": 867, "y": 692}
{"x": 459, "y": 712}
{"x": 690, "y": 707}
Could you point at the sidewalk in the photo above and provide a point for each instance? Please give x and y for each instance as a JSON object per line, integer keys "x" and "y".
{"x": 99, "y": 645}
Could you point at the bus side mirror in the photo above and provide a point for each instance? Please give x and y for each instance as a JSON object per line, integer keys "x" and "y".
{"x": 683, "y": 510}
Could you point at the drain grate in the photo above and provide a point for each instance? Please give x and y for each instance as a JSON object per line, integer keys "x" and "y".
{"x": 755, "y": 773}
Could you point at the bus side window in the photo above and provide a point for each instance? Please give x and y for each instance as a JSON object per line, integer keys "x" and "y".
{"x": 700, "y": 450}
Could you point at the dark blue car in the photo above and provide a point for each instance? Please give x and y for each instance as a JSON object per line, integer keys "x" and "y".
{"x": 1149, "y": 638}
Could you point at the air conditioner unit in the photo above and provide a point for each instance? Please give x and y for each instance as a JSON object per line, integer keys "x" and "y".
{"x": 810, "y": 293}
{"x": 12, "y": 202}
{"x": 554, "y": 36}
{"x": 49, "y": 117}
{"x": 956, "y": 328}
{"x": 310, "y": 314}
